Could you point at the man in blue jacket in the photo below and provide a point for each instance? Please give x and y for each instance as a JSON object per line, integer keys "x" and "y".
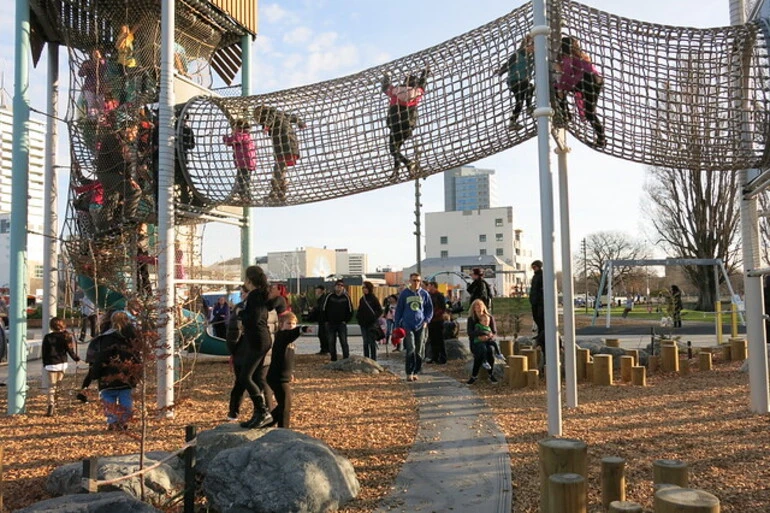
{"x": 414, "y": 311}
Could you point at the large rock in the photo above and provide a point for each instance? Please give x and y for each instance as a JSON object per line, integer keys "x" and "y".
{"x": 160, "y": 483}
{"x": 457, "y": 349}
{"x": 356, "y": 364}
{"x": 281, "y": 472}
{"x": 114, "y": 502}
{"x": 224, "y": 436}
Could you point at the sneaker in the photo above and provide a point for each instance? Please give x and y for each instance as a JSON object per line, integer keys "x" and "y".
{"x": 82, "y": 397}
{"x": 394, "y": 176}
{"x": 515, "y": 125}
{"x": 231, "y": 418}
{"x": 414, "y": 169}
{"x": 472, "y": 380}
{"x": 601, "y": 141}
{"x": 486, "y": 365}
{"x": 492, "y": 378}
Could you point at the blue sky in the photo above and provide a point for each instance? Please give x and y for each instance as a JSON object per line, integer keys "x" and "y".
{"x": 306, "y": 41}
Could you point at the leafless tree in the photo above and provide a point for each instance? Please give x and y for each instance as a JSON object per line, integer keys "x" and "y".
{"x": 611, "y": 245}
{"x": 695, "y": 215}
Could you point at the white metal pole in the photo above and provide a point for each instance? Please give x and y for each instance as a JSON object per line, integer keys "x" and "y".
{"x": 568, "y": 303}
{"x": 166, "y": 237}
{"x": 50, "y": 217}
{"x": 610, "y": 270}
{"x": 248, "y": 257}
{"x": 754, "y": 302}
{"x": 543, "y": 114}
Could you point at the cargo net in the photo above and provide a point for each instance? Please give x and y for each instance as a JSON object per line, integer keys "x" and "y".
{"x": 658, "y": 95}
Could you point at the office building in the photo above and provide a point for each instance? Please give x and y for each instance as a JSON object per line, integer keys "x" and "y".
{"x": 469, "y": 188}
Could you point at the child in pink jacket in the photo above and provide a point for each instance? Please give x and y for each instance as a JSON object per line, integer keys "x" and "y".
{"x": 244, "y": 154}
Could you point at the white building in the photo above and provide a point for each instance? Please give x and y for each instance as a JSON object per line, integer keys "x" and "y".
{"x": 315, "y": 263}
{"x": 35, "y": 197}
{"x": 478, "y": 233}
{"x": 351, "y": 263}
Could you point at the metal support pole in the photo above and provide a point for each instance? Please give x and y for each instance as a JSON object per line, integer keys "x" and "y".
{"x": 166, "y": 257}
{"x": 417, "y": 224}
{"x": 17, "y": 311}
{"x": 568, "y": 303}
{"x": 609, "y": 294}
{"x": 247, "y": 230}
{"x": 50, "y": 217}
{"x": 543, "y": 114}
{"x": 718, "y": 307}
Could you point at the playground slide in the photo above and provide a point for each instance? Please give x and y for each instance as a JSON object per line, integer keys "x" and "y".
{"x": 194, "y": 327}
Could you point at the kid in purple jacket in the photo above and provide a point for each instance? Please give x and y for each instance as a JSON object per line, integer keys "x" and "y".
{"x": 244, "y": 154}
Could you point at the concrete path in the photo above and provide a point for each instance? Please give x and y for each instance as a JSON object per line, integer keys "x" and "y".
{"x": 459, "y": 460}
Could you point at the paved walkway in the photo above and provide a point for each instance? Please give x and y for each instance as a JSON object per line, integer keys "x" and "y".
{"x": 459, "y": 460}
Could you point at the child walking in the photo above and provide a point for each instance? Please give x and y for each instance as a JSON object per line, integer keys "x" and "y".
{"x": 280, "y": 374}
{"x": 56, "y": 346}
{"x": 244, "y": 154}
{"x": 279, "y": 126}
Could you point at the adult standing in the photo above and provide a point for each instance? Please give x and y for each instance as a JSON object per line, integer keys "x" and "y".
{"x": 413, "y": 313}
{"x": 369, "y": 311}
{"x": 235, "y": 346}
{"x": 256, "y": 337}
{"x": 538, "y": 307}
{"x": 479, "y": 288}
{"x": 338, "y": 310}
{"x": 88, "y": 315}
{"x": 317, "y": 315}
{"x": 436, "y": 325}
{"x": 219, "y": 317}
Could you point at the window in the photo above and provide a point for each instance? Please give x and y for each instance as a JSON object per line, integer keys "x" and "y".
{"x": 499, "y": 221}
{"x": 444, "y": 240}
{"x": 482, "y": 238}
{"x": 499, "y": 252}
{"x": 498, "y": 237}
{"x": 482, "y": 252}
{"x": 38, "y": 271}
{"x": 5, "y": 226}
{"x": 444, "y": 254}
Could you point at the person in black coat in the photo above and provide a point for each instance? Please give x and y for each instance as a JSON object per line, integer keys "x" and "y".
{"x": 279, "y": 126}
{"x": 479, "y": 288}
{"x": 57, "y": 345}
{"x": 369, "y": 311}
{"x": 281, "y": 371}
{"x": 538, "y": 306}
{"x": 338, "y": 310}
{"x": 317, "y": 315}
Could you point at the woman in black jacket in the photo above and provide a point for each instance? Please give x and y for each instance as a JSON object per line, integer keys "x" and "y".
{"x": 369, "y": 310}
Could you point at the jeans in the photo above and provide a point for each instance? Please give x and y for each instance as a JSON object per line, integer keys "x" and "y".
{"x": 370, "y": 344}
{"x": 482, "y": 350}
{"x": 413, "y": 345}
{"x": 118, "y": 405}
{"x": 334, "y": 330}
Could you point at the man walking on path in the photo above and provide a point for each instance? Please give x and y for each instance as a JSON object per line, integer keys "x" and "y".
{"x": 436, "y": 325}
{"x": 536, "y": 300}
{"x": 414, "y": 311}
{"x": 338, "y": 310}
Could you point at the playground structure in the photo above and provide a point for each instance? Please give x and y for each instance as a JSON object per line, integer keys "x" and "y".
{"x": 672, "y": 97}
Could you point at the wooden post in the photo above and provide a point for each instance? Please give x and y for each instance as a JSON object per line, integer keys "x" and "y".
{"x": 506, "y": 347}
{"x": 567, "y": 493}
{"x": 613, "y": 480}
{"x": 669, "y": 356}
{"x": 590, "y": 372}
{"x": 612, "y": 342}
{"x": 670, "y": 472}
{"x": 626, "y": 362}
{"x": 635, "y": 354}
{"x": 624, "y": 507}
{"x": 684, "y": 367}
{"x": 531, "y": 354}
{"x": 533, "y": 378}
{"x": 685, "y": 500}
{"x": 189, "y": 471}
{"x": 560, "y": 456}
{"x": 639, "y": 376}
{"x": 653, "y": 362}
{"x": 583, "y": 357}
{"x": 704, "y": 361}
{"x": 507, "y": 375}
{"x": 603, "y": 369}
{"x": 88, "y": 482}
{"x": 518, "y": 372}
{"x": 726, "y": 352}
{"x": 2, "y": 478}
{"x": 738, "y": 349}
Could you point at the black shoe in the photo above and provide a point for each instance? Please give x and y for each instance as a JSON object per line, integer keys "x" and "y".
{"x": 492, "y": 378}
{"x": 334, "y": 358}
{"x": 82, "y": 397}
{"x": 261, "y": 417}
{"x": 472, "y": 380}
{"x": 51, "y": 411}
{"x": 322, "y": 352}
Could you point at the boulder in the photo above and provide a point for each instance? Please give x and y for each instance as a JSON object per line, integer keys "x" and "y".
{"x": 457, "y": 349}
{"x": 356, "y": 364}
{"x": 280, "y": 472}
{"x": 160, "y": 483}
{"x": 118, "y": 502}
{"x": 224, "y": 436}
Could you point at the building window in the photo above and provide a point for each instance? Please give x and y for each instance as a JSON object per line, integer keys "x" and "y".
{"x": 482, "y": 238}
{"x": 444, "y": 240}
{"x": 518, "y": 252}
{"x": 499, "y": 252}
{"x": 499, "y": 237}
{"x": 444, "y": 254}
{"x": 482, "y": 252}
{"x": 499, "y": 221}
{"x": 5, "y": 226}
{"x": 38, "y": 271}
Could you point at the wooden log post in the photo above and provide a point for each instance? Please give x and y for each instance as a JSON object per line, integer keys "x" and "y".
{"x": 603, "y": 369}
{"x": 704, "y": 361}
{"x": 634, "y": 353}
{"x": 639, "y": 376}
{"x": 506, "y": 347}
{"x": 189, "y": 470}
{"x": 533, "y": 378}
{"x": 590, "y": 372}
{"x": 583, "y": 357}
{"x": 624, "y": 507}
{"x": 567, "y": 493}
{"x": 670, "y": 472}
{"x": 739, "y": 349}
{"x": 531, "y": 355}
{"x": 626, "y": 362}
{"x": 507, "y": 375}
{"x": 684, "y": 367}
{"x": 726, "y": 352}
{"x": 612, "y": 342}
{"x": 669, "y": 356}
{"x": 613, "y": 480}
{"x": 653, "y": 363}
{"x": 685, "y": 500}
{"x": 560, "y": 456}
{"x": 518, "y": 372}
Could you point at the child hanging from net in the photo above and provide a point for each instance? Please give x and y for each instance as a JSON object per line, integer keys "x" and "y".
{"x": 244, "y": 154}
{"x": 279, "y": 126}
{"x": 520, "y": 67}
{"x": 402, "y": 117}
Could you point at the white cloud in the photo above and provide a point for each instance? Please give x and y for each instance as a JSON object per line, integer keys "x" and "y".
{"x": 274, "y": 13}
{"x": 264, "y": 45}
{"x": 323, "y": 41}
{"x": 298, "y": 36}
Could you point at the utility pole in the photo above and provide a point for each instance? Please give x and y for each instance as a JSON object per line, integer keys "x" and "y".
{"x": 585, "y": 267}
{"x": 417, "y": 218}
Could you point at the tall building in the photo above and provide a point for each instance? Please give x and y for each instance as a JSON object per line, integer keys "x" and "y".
{"x": 35, "y": 197}
{"x": 469, "y": 188}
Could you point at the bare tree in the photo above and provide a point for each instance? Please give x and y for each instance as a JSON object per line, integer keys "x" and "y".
{"x": 696, "y": 215}
{"x": 604, "y": 246}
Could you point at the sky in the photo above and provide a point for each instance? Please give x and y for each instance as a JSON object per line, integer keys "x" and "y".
{"x": 307, "y": 41}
